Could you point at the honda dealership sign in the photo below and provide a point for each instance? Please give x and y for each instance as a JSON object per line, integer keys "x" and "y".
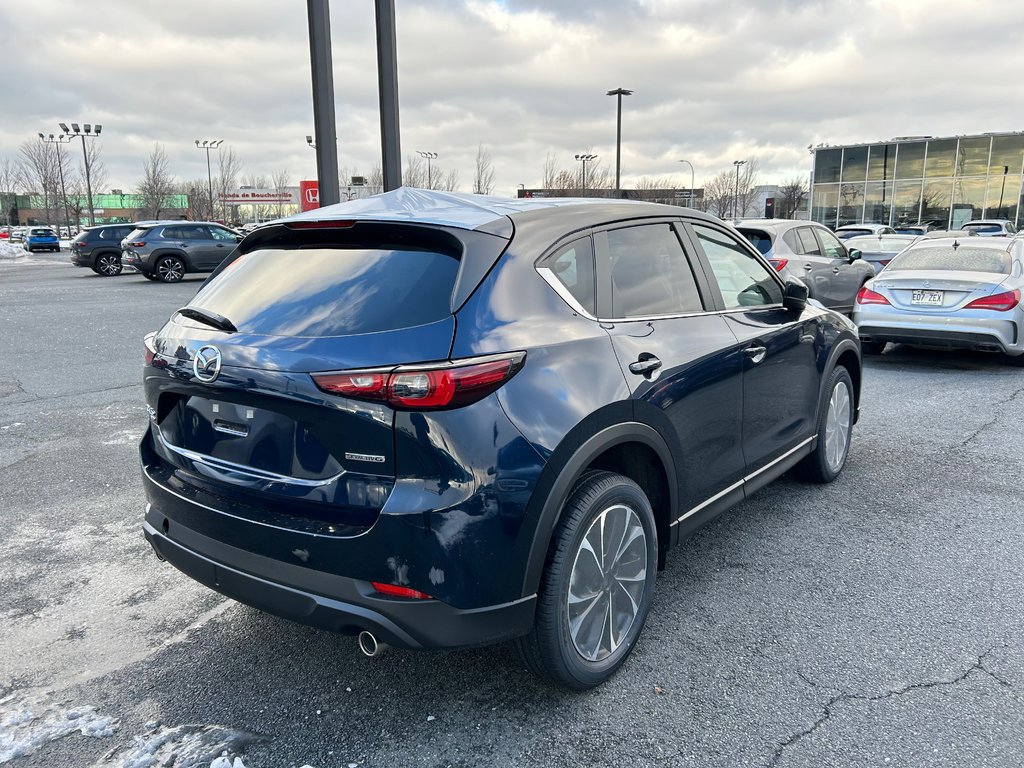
{"x": 309, "y": 195}
{"x": 247, "y": 196}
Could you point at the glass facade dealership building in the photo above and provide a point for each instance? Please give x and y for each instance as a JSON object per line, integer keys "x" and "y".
{"x": 907, "y": 180}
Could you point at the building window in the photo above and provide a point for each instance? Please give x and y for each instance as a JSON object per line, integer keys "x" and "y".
{"x": 855, "y": 163}
{"x": 827, "y": 163}
{"x": 972, "y": 159}
{"x": 941, "y": 158}
{"x": 825, "y": 204}
{"x": 882, "y": 162}
{"x": 910, "y": 160}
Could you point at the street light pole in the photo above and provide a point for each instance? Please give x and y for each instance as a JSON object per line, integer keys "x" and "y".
{"x": 618, "y": 93}
{"x": 736, "y": 197}
{"x": 324, "y": 121}
{"x": 208, "y": 144}
{"x": 429, "y": 156}
{"x": 387, "y": 87}
{"x": 584, "y": 158}
{"x": 691, "y": 205}
{"x": 62, "y": 139}
{"x": 92, "y": 134}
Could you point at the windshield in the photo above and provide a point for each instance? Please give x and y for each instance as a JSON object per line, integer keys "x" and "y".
{"x": 963, "y": 258}
{"x": 332, "y": 291}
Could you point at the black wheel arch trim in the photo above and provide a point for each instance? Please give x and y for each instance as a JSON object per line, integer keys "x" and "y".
{"x": 565, "y": 475}
{"x": 841, "y": 347}
{"x": 157, "y": 255}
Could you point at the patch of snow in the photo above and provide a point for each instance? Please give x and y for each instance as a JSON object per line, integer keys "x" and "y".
{"x": 24, "y": 729}
{"x": 11, "y": 251}
{"x": 184, "y": 746}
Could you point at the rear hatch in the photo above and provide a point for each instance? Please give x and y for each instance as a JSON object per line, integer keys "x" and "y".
{"x": 292, "y": 303}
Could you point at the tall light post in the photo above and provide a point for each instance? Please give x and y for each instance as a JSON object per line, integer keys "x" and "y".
{"x": 91, "y": 132}
{"x": 584, "y": 158}
{"x": 429, "y": 157}
{"x": 58, "y": 140}
{"x": 207, "y": 145}
{"x": 618, "y": 93}
{"x": 691, "y": 205}
{"x": 736, "y": 197}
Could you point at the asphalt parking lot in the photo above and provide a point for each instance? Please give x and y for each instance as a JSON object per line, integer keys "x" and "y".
{"x": 876, "y": 621}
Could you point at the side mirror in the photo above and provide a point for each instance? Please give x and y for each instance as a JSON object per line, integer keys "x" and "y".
{"x": 855, "y": 254}
{"x": 795, "y": 296}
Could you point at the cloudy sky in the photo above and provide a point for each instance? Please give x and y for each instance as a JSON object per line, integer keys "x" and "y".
{"x": 714, "y": 80}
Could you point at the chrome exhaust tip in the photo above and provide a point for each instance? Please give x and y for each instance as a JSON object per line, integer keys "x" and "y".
{"x": 370, "y": 645}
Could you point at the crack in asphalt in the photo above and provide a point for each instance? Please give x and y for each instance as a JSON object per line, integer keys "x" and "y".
{"x": 976, "y": 433}
{"x": 827, "y": 708}
{"x": 34, "y": 398}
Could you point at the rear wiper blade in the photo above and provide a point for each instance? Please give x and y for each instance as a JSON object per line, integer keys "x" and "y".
{"x": 209, "y": 318}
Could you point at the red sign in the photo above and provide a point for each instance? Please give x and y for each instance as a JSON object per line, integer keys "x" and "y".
{"x": 309, "y": 195}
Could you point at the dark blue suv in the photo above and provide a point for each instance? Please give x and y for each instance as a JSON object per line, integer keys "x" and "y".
{"x": 442, "y": 420}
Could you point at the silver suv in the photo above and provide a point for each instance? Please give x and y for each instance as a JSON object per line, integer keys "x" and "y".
{"x": 810, "y": 252}
{"x": 166, "y": 251}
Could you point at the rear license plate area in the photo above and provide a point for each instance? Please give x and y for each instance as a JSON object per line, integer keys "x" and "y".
{"x": 927, "y": 298}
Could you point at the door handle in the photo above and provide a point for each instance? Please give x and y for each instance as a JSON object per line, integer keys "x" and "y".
{"x": 756, "y": 354}
{"x": 184, "y": 245}
{"x": 645, "y": 364}
{"x": 835, "y": 270}
{"x": 808, "y": 266}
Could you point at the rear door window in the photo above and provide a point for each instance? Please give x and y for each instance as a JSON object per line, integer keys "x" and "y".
{"x": 573, "y": 266}
{"x": 651, "y": 275}
{"x": 831, "y": 245}
{"x": 792, "y": 239}
{"x": 332, "y": 290}
{"x": 808, "y": 241}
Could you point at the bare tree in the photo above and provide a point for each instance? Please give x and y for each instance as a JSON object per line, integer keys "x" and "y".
{"x": 376, "y": 178}
{"x": 483, "y": 181}
{"x": 718, "y": 194}
{"x": 197, "y": 195}
{"x": 97, "y": 168}
{"x": 791, "y": 196}
{"x": 157, "y": 185}
{"x": 229, "y": 166}
{"x": 550, "y": 172}
{"x": 282, "y": 179}
{"x": 10, "y": 183}
{"x": 39, "y": 169}
{"x": 415, "y": 173}
{"x": 746, "y": 192}
{"x": 449, "y": 182}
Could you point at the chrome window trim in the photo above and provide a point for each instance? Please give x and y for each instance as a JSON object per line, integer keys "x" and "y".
{"x": 745, "y": 480}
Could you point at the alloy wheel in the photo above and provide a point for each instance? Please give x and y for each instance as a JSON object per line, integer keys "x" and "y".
{"x": 607, "y": 582}
{"x": 109, "y": 265}
{"x": 170, "y": 270}
{"x": 837, "y": 427}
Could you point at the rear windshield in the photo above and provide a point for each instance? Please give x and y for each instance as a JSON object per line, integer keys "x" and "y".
{"x": 43, "y": 232}
{"x": 332, "y": 291}
{"x": 842, "y": 234}
{"x": 961, "y": 259}
{"x": 987, "y": 229}
{"x": 760, "y": 240}
{"x": 877, "y": 244}
{"x": 911, "y": 230}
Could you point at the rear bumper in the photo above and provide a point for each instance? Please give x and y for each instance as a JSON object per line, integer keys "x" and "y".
{"x": 350, "y": 606}
{"x": 986, "y": 334}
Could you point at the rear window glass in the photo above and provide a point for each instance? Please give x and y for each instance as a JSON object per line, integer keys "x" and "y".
{"x": 43, "y": 232}
{"x": 878, "y": 244}
{"x": 961, "y": 259}
{"x": 845, "y": 233}
{"x": 911, "y": 230}
{"x": 987, "y": 229}
{"x": 760, "y": 240}
{"x": 332, "y": 291}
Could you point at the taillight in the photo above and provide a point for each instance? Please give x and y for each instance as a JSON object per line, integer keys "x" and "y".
{"x": 884, "y": 262}
{"x": 394, "y": 590}
{"x": 425, "y": 387}
{"x": 779, "y": 264}
{"x": 150, "y": 348}
{"x": 866, "y": 296}
{"x": 1001, "y": 302}
{"x": 137, "y": 244}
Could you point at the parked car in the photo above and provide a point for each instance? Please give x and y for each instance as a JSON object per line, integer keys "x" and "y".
{"x": 853, "y": 230}
{"x": 41, "y": 239}
{"x": 166, "y": 251}
{"x": 444, "y": 420}
{"x": 991, "y": 227}
{"x": 810, "y": 252}
{"x": 921, "y": 228}
{"x": 99, "y": 248}
{"x": 878, "y": 250}
{"x": 948, "y": 294}
{"x": 18, "y": 234}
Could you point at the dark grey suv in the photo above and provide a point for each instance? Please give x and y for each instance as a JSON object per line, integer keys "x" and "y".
{"x": 99, "y": 248}
{"x": 166, "y": 251}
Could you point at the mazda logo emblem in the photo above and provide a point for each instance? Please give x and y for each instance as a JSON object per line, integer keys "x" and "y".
{"x": 206, "y": 364}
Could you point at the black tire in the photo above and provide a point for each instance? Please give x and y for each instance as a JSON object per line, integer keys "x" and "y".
{"x": 872, "y": 347}
{"x": 107, "y": 265}
{"x": 1017, "y": 361}
{"x": 169, "y": 269}
{"x": 149, "y": 276}
{"x": 552, "y": 650}
{"x": 824, "y": 464}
